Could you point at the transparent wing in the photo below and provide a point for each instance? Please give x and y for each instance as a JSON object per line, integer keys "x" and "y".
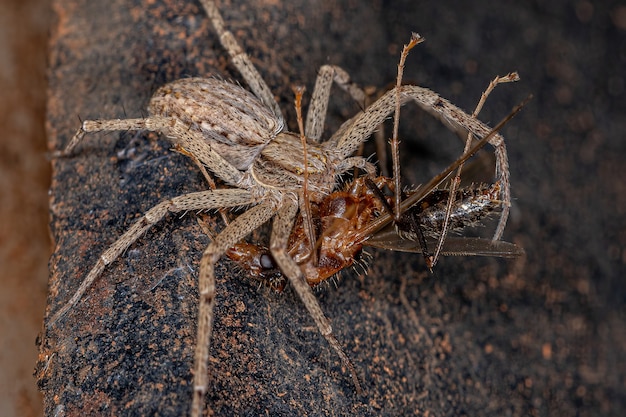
{"x": 453, "y": 246}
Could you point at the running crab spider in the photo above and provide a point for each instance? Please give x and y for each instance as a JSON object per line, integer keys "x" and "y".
{"x": 239, "y": 137}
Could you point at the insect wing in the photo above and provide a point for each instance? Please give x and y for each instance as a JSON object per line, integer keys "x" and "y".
{"x": 453, "y": 246}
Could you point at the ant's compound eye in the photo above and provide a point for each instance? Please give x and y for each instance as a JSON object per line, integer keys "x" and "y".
{"x": 267, "y": 262}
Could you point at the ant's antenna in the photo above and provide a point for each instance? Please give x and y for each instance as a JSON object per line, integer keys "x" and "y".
{"x": 307, "y": 217}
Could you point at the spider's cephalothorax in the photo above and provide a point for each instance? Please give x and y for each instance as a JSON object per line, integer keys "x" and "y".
{"x": 224, "y": 120}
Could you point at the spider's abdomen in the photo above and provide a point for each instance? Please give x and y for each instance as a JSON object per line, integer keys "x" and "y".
{"x": 235, "y": 122}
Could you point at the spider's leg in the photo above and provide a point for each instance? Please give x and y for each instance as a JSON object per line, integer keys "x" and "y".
{"x": 316, "y": 115}
{"x": 207, "y": 177}
{"x": 240, "y": 59}
{"x": 100, "y": 125}
{"x": 180, "y": 134}
{"x": 356, "y": 130}
{"x": 233, "y": 233}
{"x": 193, "y": 201}
{"x": 174, "y": 130}
{"x": 456, "y": 181}
{"x": 283, "y": 223}
{"x": 356, "y": 162}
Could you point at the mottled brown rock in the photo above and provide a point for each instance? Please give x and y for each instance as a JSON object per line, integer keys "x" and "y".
{"x": 540, "y": 336}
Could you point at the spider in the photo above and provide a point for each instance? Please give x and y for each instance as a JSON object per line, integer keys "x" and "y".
{"x": 240, "y": 137}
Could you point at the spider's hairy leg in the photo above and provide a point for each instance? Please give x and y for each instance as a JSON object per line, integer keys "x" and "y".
{"x": 208, "y": 178}
{"x": 357, "y": 129}
{"x": 360, "y": 127}
{"x": 175, "y": 131}
{"x": 316, "y": 115}
{"x": 281, "y": 229}
{"x": 357, "y": 162}
{"x": 420, "y": 193}
{"x": 193, "y": 201}
{"x": 456, "y": 181}
{"x": 318, "y": 107}
{"x": 100, "y": 125}
{"x": 233, "y": 233}
{"x": 240, "y": 59}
